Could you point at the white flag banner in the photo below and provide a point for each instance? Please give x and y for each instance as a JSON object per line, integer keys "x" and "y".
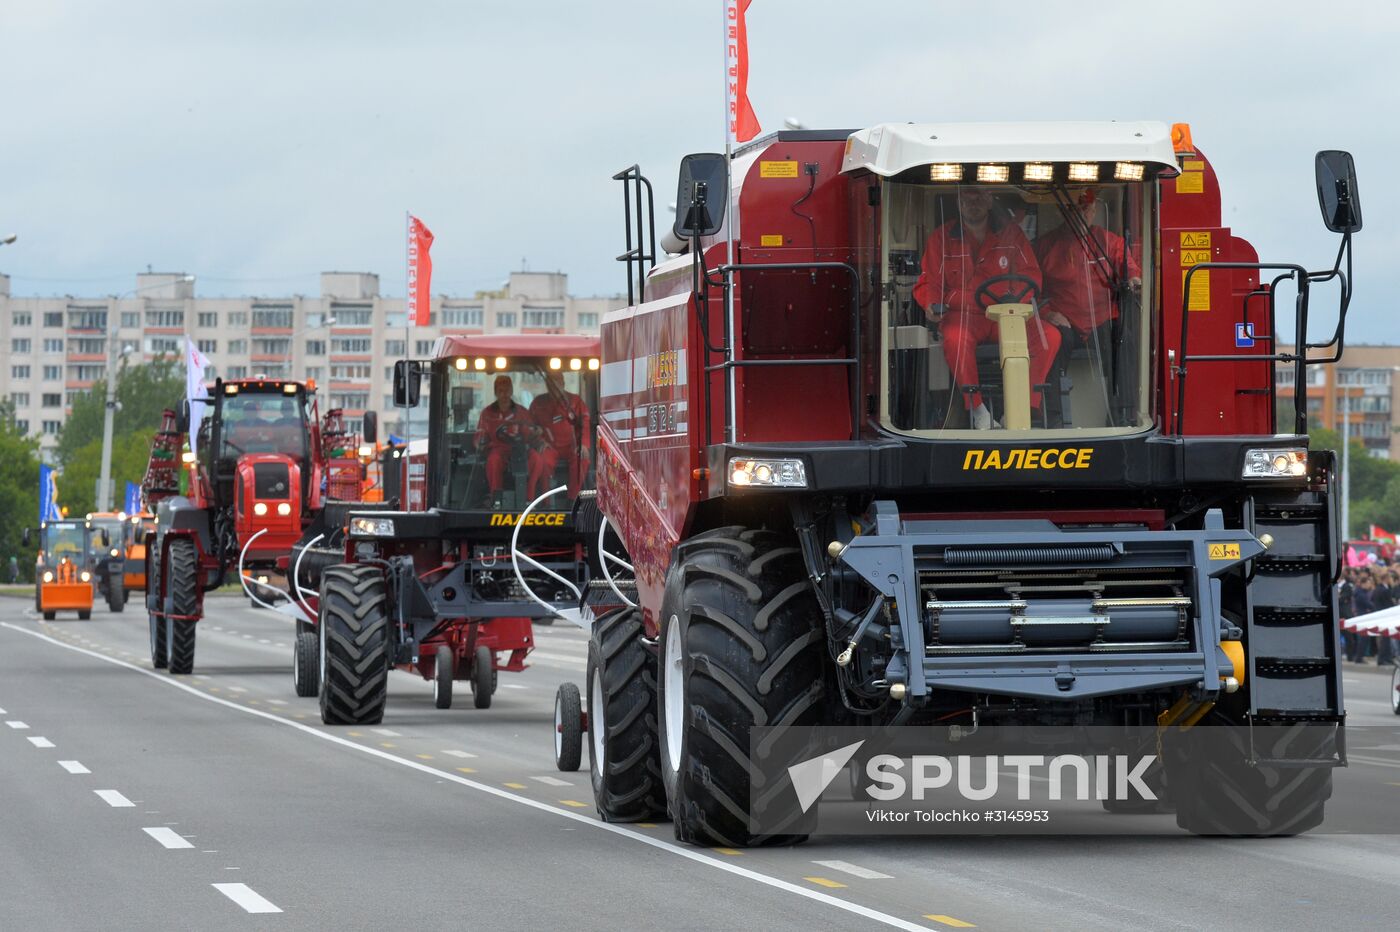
{"x": 195, "y": 364}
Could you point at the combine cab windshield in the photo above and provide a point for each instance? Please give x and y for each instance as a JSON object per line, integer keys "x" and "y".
{"x": 65, "y": 541}
{"x": 264, "y": 422}
{"x": 1065, "y": 262}
{"x": 507, "y": 436}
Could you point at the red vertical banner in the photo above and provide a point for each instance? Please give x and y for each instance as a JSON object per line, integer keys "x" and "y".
{"x": 743, "y": 122}
{"x": 420, "y": 271}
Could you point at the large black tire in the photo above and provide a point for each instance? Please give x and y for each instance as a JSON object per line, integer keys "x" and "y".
{"x": 306, "y": 666}
{"x": 741, "y": 640}
{"x": 1395, "y": 689}
{"x": 624, "y": 752}
{"x": 157, "y": 625}
{"x": 443, "y": 663}
{"x": 84, "y": 614}
{"x": 1217, "y": 791}
{"x": 49, "y": 616}
{"x": 354, "y": 649}
{"x": 184, "y": 600}
{"x": 483, "y": 678}
{"x": 116, "y": 592}
{"x": 568, "y": 728}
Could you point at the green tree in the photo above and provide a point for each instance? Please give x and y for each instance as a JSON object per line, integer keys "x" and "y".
{"x": 143, "y": 393}
{"x": 19, "y": 493}
{"x": 1375, "y": 484}
{"x": 77, "y": 485}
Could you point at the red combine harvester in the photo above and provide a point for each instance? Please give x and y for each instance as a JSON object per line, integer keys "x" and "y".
{"x": 435, "y": 588}
{"x": 265, "y": 467}
{"x": 977, "y": 427}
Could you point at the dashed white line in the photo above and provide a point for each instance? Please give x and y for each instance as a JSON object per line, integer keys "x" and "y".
{"x": 552, "y": 781}
{"x": 167, "y": 837}
{"x": 458, "y": 754}
{"x": 245, "y": 896}
{"x": 855, "y": 870}
{"x": 386, "y": 732}
{"x": 277, "y": 701}
{"x": 41, "y": 742}
{"x": 513, "y": 686}
{"x": 3, "y": 712}
{"x": 16, "y": 724}
{"x": 114, "y": 799}
{"x": 265, "y": 641}
{"x": 73, "y": 766}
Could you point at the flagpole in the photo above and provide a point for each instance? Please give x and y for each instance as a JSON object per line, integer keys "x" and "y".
{"x": 731, "y": 113}
{"x": 408, "y": 369}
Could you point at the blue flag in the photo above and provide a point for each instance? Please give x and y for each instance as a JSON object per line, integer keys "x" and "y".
{"x": 48, "y": 495}
{"x": 133, "y": 499}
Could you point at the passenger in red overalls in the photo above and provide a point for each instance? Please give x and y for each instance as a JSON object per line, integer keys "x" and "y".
{"x": 562, "y": 418}
{"x": 959, "y": 256}
{"x": 502, "y": 425}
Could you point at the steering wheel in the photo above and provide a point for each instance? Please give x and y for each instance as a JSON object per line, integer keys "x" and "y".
{"x": 510, "y": 433}
{"x": 1018, "y": 289}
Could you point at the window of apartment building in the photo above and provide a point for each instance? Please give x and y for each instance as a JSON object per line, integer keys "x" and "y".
{"x": 208, "y": 319}
{"x": 544, "y": 317}
{"x": 160, "y": 345}
{"x": 355, "y": 400}
{"x": 394, "y": 348}
{"x": 505, "y": 319}
{"x": 272, "y": 370}
{"x": 22, "y": 319}
{"x": 72, "y": 394}
{"x": 315, "y": 372}
{"x": 52, "y": 427}
{"x": 89, "y": 346}
{"x": 388, "y": 373}
{"x": 587, "y": 320}
{"x": 19, "y": 372}
{"x": 131, "y": 320}
{"x": 53, "y": 373}
{"x": 53, "y": 318}
{"x": 238, "y": 346}
{"x": 52, "y": 399}
{"x": 271, "y": 346}
{"x": 272, "y": 315}
{"x": 351, "y": 345}
{"x": 355, "y": 425}
{"x": 237, "y": 372}
{"x": 238, "y": 318}
{"x": 168, "y": 318}
{"x": 423, "y": 347}
{"x": 22, "y": 425}
{"x": 345, "y": 372}
{"x": 20, "y": 399}
{"x": 461, "y": 316}
{"x": 352, "y": 315}
{"x": 87, "y": 318}
{"x": 1361, "y": 376}
{"x": 1372, "y": 404}
{"x": 19, "y": 346}
{"x": 87, "y": 372}
{"x": 53, "y": 345}
{"x": 315, "y": 347}
{"x": 208, "y": 346}
{"x": 389, "y": 400}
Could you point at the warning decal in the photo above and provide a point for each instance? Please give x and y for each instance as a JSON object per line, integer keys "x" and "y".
{"x": 1190, "y": 182}
{"x": 777, "y": 169}
{"x": 1224, "y": 551}
{"x": 771, "y": 239}
{"x": 1194, "y": 256}
{"x": 1196, "y": 240}
{"x": 1200, "y": 290}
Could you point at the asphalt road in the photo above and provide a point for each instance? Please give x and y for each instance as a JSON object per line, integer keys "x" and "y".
{"x": 132, "y": 799}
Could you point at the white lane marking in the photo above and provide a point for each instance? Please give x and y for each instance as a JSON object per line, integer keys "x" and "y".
{"x": 458, "y": 754}
{"x": 1372, "y": 761}
{"x": 245, "y": 896}
{"x": 114, "y": 799}
{"x": 578, "y": 818}
{"x": 552, "y": 781}
{"x": 386, "y": 732}
{"x": 513, "y": 686}
{"x": 855, "y": 870}
{"x": 277, "y": 701}
{"x": 265, "y": 641}
{"x": 17, "y": 724}
{"x": 581, "y": 657}
{"x": 41, "y": 742}
{"x": 73, "y": 766}
{"x": 167, "y": 837}
{"x": 3, "y": 712}
{"x": 247, "y": 637}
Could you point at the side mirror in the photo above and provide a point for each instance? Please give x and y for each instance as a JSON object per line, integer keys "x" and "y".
{"x": 182, "y": 419}
{"x": 408, "y": 382}
{"x": 24, "y": 538}
{"x": 702, "y": 195}
{"x": 1337, "y": 193}
{"x": 370, "y": 431}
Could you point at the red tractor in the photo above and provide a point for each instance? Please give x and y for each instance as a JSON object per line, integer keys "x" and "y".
{"x": 437, "y": 589}
{"x": 974, "y": 425}
{"x": 263, "y": 468}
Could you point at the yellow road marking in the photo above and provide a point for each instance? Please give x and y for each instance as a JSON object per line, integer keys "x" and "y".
{"x": 824, "y": 882}
{"x": 465, "y": 770}
{"x": 253, "y": 702}
{"x": 213, "y": 689}
{"x": 425, "y": 757}
{"x": 732, "y": 852}
{"x": 355, "y": 734}
{"x": 575, "y": 803}
{"x": 1393, "y": 784}
{"x": 646, "y": 825}
{"x": 950, "y": 921}
{"x": 515, "y": 786}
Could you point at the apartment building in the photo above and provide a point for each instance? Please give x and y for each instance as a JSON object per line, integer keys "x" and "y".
{"x": 346, "y": 338}
{"x": 1361, "y": 387}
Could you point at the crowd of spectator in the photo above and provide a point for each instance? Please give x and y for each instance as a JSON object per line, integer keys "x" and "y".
{"x": 1366, "y": 589}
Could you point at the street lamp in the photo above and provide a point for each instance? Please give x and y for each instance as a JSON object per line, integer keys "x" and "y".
{"x": 104, "y": 480}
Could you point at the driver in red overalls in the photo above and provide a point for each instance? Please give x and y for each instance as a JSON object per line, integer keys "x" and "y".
{"x": 562, "y": 417}
{"x": 980, "y": 244}
{"x": 502, "y": 425}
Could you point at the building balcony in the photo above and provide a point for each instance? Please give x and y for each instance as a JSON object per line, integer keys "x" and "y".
{"x": 87, "y": 357}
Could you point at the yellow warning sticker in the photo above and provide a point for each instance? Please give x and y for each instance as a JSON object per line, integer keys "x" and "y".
{"x": 777, "y": 169}
{"x": 1190, "y": 183}
{"x": 1196, "y": 240}
{"x": 1224, "y": 551}
{"x": 1194, "y": 256}
{"x": 771, "y": 239}
{"x": 1200, "y": 290}
{"x": 1193, "y": 165}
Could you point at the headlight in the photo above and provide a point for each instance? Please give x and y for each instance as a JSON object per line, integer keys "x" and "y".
{"x": 371, "y": 527}
{"x": 85, "y": 576}
{"x": 48, "y": 576}
{"x": 284, "y": 509}
{"x": 260, "y": 508}
{"x": 114, "y": 551}
{"x": 782, "y": 474}
{"x": 1288, "y": 463}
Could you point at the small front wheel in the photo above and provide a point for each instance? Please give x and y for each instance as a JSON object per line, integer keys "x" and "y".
{"x": 568, "y": 727}
{"x": 483, "y": 678}
{"x": 442, "y": 677}
{"x": 306, "y": 665}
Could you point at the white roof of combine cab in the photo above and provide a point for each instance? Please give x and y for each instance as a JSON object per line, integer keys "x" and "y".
{"x": 890, "y": 148}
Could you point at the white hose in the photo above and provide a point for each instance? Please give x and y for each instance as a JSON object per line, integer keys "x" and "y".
{"x": 604, "y": 557}
{"x": 516, "y": 556}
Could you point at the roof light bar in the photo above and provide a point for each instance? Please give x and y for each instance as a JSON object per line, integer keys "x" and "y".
{"x": 993, "y": 174}
{"x": 1128, "y": 171}
{"x": 1083, "y": 171}
{"x": 945, "y": 172}
{"x": 1038, "y": 171}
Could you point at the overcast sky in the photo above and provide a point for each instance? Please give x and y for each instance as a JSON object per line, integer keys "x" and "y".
{"x": 257, "y": 143}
